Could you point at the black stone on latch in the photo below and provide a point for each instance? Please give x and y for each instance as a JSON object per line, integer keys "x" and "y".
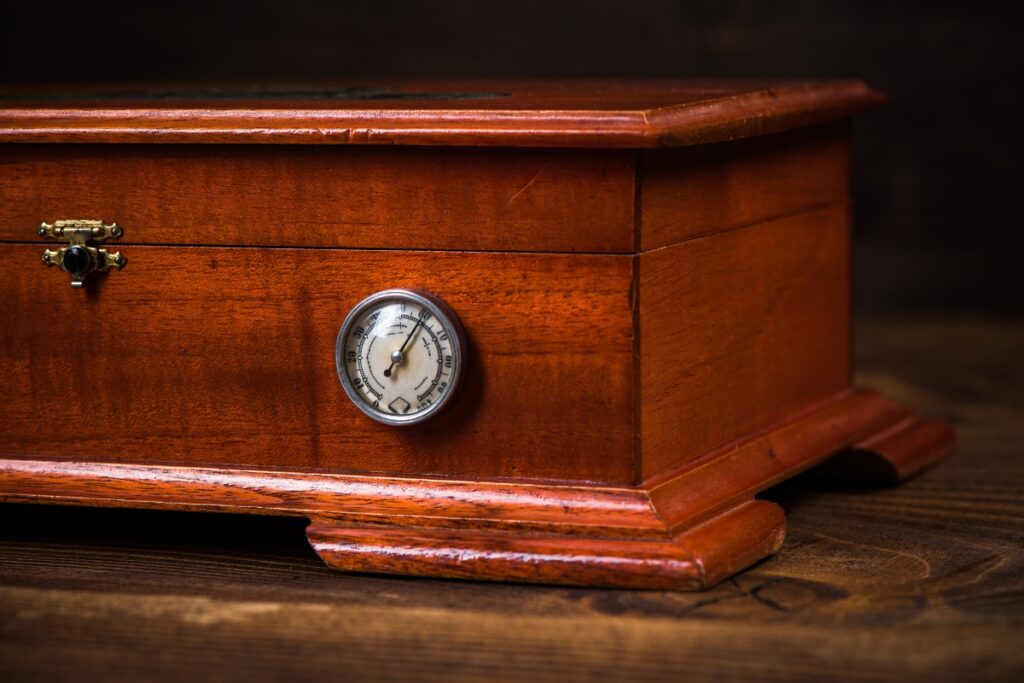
{"x": 77, "y": 260}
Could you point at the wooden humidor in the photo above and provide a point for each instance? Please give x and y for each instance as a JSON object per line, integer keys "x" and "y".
{"x": 653, "y": 279}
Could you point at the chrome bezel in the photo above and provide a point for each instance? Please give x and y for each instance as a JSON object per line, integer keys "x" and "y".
{"x": 449, "y": 321}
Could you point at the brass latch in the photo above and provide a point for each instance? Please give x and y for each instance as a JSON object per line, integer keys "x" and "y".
{"x": 80, "y": 258}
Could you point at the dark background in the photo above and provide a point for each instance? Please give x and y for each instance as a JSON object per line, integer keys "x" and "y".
{"x": 938, "y": 173}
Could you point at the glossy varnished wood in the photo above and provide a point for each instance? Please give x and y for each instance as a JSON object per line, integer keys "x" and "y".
{"x": 226, "y": 356}
{"x": 316, "y": 196}
{"x": 717, "y": 357}
{"x": 697, "y": 191}
{"x": 607, "y": 201}
{"x": 336, "y": 498}
{"x": 216, "y": 391}
{"x": 534, "y": 114}
{"x": 739, "y": 329}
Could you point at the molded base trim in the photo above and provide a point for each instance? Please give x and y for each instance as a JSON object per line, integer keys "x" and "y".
{"x": 686, "y": 529}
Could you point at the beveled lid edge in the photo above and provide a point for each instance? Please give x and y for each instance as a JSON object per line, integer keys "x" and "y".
{"x": 759, "y": 109}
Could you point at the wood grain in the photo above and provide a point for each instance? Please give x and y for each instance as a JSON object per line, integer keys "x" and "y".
{"x": 384, "y": 198}
{"x": 864, "y": 422}
{"x": 739, "y": 329}
{"x": 226, "y": 356}
{"x": 603, "y": 114}
{"x": 920, "y": 582}
{"x": 517, "y": 557}
{"x": 357, "y": 500}
{"x": 697, "y": 191}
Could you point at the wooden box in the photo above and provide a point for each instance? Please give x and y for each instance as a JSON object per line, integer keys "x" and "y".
{"x": 653, "y": 280}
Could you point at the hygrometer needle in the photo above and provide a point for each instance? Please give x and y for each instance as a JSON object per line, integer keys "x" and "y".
{"x": 399, "y": 355}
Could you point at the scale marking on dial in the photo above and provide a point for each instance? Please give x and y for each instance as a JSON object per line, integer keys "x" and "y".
{"x": 400, "y": 355}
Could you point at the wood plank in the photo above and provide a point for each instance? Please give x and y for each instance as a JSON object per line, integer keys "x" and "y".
{"x": 226, "y": 356}
{"x": 632, "y": 114}
{"x": 739, "y": 329}
{"x": 411, "y": 198}
{"x": 696, "y": 191}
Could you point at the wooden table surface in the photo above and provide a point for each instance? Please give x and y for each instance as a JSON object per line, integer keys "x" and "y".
{"x": 920, "y": 582}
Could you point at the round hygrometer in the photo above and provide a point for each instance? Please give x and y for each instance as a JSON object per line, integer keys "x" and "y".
{"x": 400, "y": 355}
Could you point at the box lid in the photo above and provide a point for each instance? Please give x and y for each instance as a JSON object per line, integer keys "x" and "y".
{"x": 635, "y": 114}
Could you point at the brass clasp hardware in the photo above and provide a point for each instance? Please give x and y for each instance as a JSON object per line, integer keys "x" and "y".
{"x": 80, "y": 258}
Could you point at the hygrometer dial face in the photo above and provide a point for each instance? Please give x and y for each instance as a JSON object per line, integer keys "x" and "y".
{"x": 400, "y": 355}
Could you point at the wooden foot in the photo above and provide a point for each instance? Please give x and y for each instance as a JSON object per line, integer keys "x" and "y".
{"x": 685, "y": 529}
{"x": 735, "y": 539}
{"x": 908, "y": 447}
{"x": 690, "y": 560}
{"x": 708, "y": 526}
{"x": 890, "y": 456}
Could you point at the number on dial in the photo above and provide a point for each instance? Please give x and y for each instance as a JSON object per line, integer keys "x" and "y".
{"x": 398, "y": 356}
